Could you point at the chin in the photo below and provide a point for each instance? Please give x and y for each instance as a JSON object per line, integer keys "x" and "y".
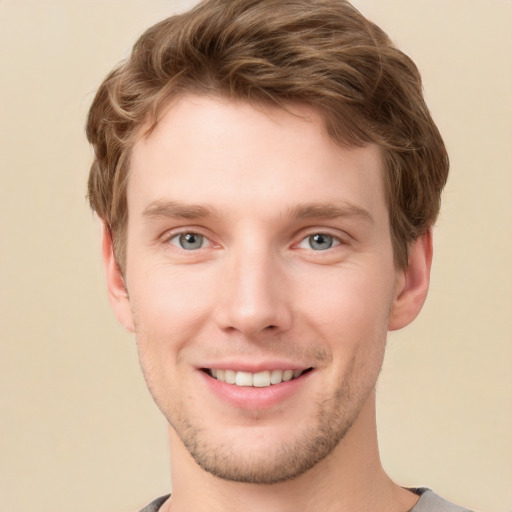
{"x": 262, "y": 455}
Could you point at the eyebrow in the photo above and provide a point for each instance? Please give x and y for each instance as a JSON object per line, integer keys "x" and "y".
{"x": 330, "y": 211}
{"x": 179, "y": 210}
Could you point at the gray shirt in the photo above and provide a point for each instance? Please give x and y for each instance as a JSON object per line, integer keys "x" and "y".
{"x": 429, "y": 502}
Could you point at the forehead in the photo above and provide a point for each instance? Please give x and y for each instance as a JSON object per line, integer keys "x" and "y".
{"x": 207, "y": 149}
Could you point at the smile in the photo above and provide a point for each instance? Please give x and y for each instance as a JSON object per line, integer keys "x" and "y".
{"x": 258, "y": 380}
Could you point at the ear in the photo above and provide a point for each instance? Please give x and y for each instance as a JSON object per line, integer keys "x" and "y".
{"x": 412, "y": 284}
{"x": 117, "y": 292}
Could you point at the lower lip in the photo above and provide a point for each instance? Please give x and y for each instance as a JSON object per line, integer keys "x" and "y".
{"x": 253, "y": 398}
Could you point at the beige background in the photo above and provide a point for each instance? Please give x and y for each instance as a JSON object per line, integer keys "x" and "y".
{"x": 78, "y": 430}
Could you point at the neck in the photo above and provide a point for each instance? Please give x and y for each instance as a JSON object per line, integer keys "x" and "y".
{"x": 351, "y": 479}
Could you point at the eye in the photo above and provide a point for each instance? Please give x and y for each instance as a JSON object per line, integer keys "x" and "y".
{"x": 319, "y": 242}
{"x": 189, "y": 241}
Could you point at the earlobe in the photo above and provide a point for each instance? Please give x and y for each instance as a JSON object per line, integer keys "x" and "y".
{"x": 412, "y": 284}
{"x": 117, "y": 292}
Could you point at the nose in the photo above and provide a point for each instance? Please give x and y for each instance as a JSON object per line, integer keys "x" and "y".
{"x": 255, "y": 296}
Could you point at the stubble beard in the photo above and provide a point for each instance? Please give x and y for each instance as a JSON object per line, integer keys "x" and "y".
{"x": 287, "y": 461}
{"x": 324, "y": 428}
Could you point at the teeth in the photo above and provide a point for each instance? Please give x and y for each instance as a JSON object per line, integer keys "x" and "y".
{"x": 287, "y": 375}
{"x": 261, "y": 379}
{"x": 243, "y": 379}
{"x": 258, "y": 380}
{"x": 229, "y": 376}
{"x": 276, "y": 376}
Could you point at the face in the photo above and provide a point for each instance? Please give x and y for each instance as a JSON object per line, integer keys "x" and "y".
{"x": 260, "y": 283}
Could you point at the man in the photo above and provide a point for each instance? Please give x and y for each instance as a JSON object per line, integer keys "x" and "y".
{"x": 268, "y": 175}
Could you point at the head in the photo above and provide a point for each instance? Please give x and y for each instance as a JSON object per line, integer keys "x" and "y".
{"x": 267, "y": 173}
{"x": 319, "y": 53}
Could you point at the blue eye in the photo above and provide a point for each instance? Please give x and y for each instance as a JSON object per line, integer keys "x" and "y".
{"x": 319, "y": 242}
{"x": 188, "y": 241}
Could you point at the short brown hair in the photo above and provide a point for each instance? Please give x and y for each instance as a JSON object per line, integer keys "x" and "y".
{"x": 323, "y": 53}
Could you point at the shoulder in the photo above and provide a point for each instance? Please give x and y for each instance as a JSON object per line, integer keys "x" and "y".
{"x": 154, "y": 506}
{"x": 430, "y": 502}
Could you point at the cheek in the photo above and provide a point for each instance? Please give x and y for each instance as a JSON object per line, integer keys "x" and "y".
{"x": 169, "y": 309}
{"x": 164, "y": 296}
{"x": 351, "y": 317}
{"x": 349, "y": 300}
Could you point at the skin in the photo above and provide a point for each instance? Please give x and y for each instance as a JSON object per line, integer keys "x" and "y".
{"x": 254, "y": 185}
